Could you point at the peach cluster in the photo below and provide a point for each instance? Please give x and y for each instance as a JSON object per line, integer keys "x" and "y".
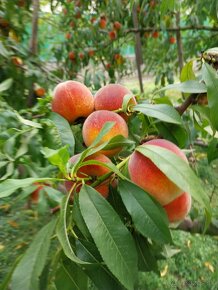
{"x": 73, "y": 100}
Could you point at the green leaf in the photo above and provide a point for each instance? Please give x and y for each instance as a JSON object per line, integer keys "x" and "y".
{"x": 162, "y": 112}
{"x": 126, "y": 101}
{"x": 9, "y": 186}
{"x": 177, "y": 170}
{"x": 111, "y": 237}
{"x": 118, "y": 141}
{"x": 167, "y": 5}
{"x": 78, "y": 219}
{"x": 97, "y": 271}
{"x": 7, "y": 279}
{"x": 192, "y": 87}
{"x": 3, "y": 51}
{"x": 187, "y": 72}
{"x": 27, "y": 273}
{"x": 9, "y": 171}
{"x": 27, "y": 122}
{"x": 58, "y": 157}
{"x": 147, "y": 262}
{"x": 25, "y": 140}
{"x": 62, "y": 232}
{"x": 108, "y": 165}
{"x": 211, "y": 79}
{"x": 70, "y": 276}
{"x": 212, "y": 151}
{"x": 5, "y": 85}
{"x": 92, "y": 149}
{"x": 104, "y": 130}
{"x": 53, "y": 194}
{"x": 147, "y": 217}
{"x": 174, "y": 133}
{"x": 64, "y": 131}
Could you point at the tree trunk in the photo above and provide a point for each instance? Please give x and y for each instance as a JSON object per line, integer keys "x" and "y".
{"x": 33, "y": 45}
{"x": 138, "y": 48}
{"x": 179, "y": 42}
{"x": 197, "y": 226}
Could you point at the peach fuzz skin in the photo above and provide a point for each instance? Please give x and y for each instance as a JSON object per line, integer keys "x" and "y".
{"x": 145, "y": 174}
{"x": 72, "y": 100}
{"x": 178, "y": 209}
{"x": 92, "y": 171}
{"x": 110, "y": 98}
{"x": 94, "y": 123}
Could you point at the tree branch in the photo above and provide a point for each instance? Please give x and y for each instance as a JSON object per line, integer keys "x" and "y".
{"x": 197, "y": 226}
{"x": 171, "y": 29}
{"x": 191, "y": 100}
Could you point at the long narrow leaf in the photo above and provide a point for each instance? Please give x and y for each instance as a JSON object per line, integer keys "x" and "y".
{"x": 26, "y": 275}
{"x": 111, "y": 237}
{"x": 147, "y": 217}
{"x": 162, "y": 112}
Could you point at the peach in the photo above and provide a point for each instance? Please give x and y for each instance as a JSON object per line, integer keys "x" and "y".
{"x": 112, "y": 35}
{"x": 40, "y": 92}
{"x": 148, "y": 176}
{"x": 178, "y": 209}
{"x": 92, "y": 171}
{"x": 117, "y": 25}
{"x": 72, "y": 55}
{"x": 102, "y": 22}
{"x": 94, "y": 123}
{"x": 72, "y": 100}
{"x": 111, "y": 96}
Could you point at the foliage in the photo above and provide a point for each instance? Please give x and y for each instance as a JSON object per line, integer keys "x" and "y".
{"x": 91, "y": 39}
{"x": 107, "y": 240}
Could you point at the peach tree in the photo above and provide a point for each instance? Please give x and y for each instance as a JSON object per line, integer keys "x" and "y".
{"x": 122, "y": 182}
{"x": 97, "y": 37}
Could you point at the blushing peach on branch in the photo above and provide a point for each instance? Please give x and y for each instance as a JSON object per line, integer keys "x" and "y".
{"x": 72, "y": 100}
{"x": 111, "y": 96}
{"x": 179, "y": 208}
{"x": 148, "y": 176}
{"x": 95, "y": 122}
{"x": 93, "y": 171}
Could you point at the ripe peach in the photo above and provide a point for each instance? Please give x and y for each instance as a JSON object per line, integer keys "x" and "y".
{"x": 118, "y": 58}
{"x": 178, "y": 209}
{"x": 148, "y": 176}
{"x": 17, "y": 60}
{"x": 117, "y": 25}
{"x": 108, "y": 66}
{"x": 112, "y": 35}
{"x": 172, "y": 40}
{"x": 94, "y": 123}
{"x": 72, "y": 55}
{"x": 81, "y": 55}
{"x": 40, "y": 92}
{"x": 111, "y": 96}
{"x": 68, "y": 35}
{"x": 155, "y": 34}
{"x": 91, "y": 53}
{"x": 102, "y": 22}
{"x": 92, "y": 171}
{"x": 72, "y": 100}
